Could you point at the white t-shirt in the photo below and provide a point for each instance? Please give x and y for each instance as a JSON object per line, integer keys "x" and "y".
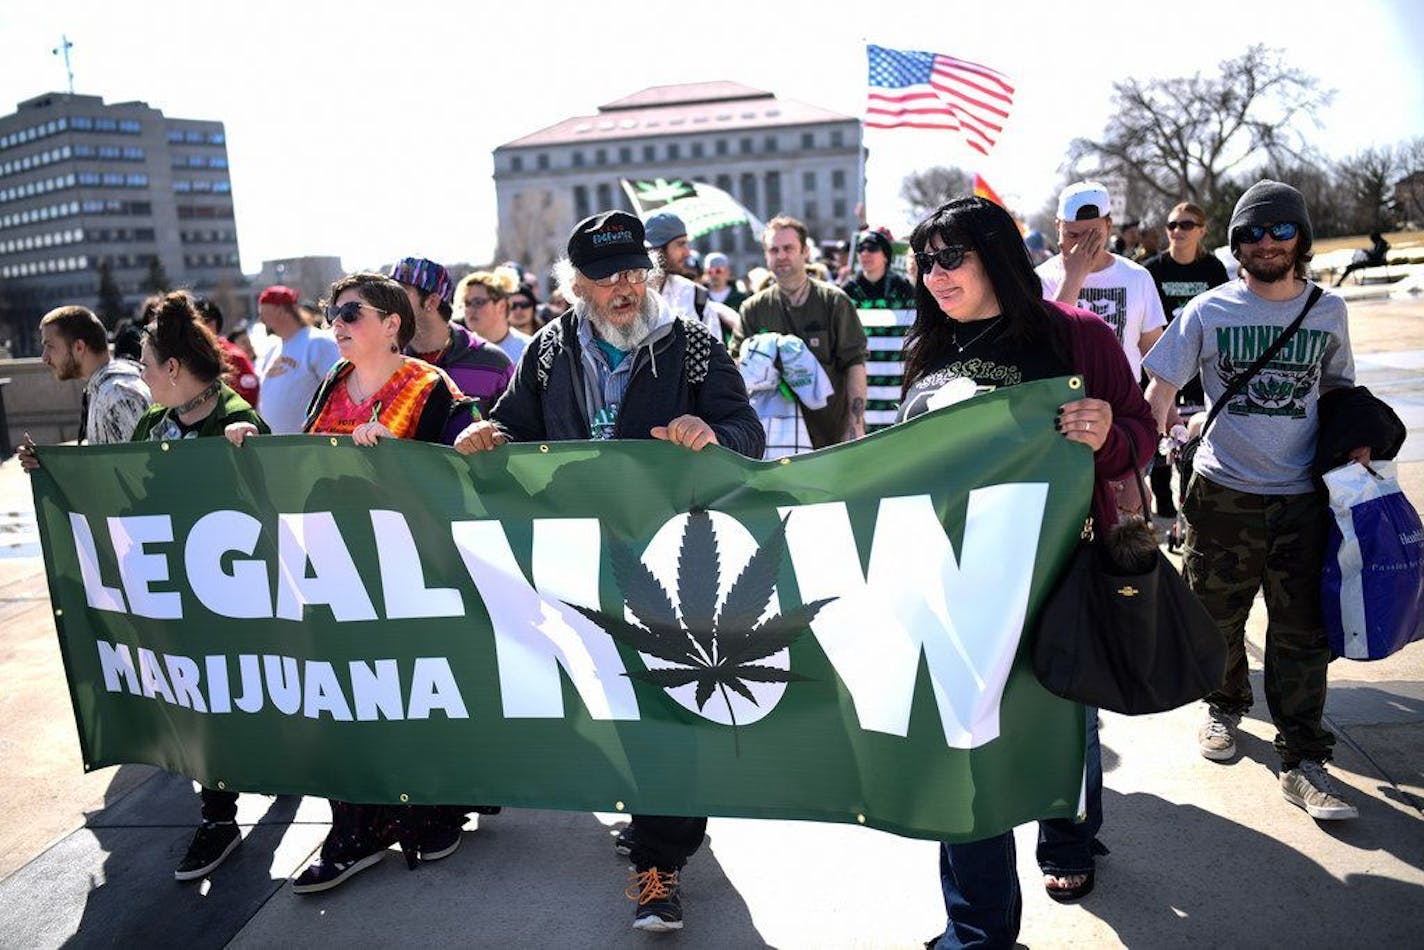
{"x": 513, "y": 344}
{"x": 680, "y": 294}
{"x": 1123, "y": 294}
{"x": 291, "y": 371}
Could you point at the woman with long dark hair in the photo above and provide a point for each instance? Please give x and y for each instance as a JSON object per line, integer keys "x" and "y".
{"x": 981, "y": 323}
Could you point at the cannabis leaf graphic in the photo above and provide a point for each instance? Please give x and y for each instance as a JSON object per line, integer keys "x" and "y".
{"x": 715, "y": 649}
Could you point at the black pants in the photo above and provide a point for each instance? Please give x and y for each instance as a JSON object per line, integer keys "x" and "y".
{"x": 218, "y": 805}
{"x": 664, "y": 842}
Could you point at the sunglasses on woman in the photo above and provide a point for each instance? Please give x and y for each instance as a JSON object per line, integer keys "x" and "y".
{"x": 948, "y": 258}
{"x": 1186, "y": 224}
{"x": 522, "y": 305}
{"x": 350, "y": 311}
{"x": 1255, "y": 233}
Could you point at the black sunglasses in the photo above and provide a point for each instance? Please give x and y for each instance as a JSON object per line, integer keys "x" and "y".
{"x": 1185, "y": 224}
{"x": 1255, "y": 233}
{"x": 522, "y": 305}
{"x": 350, "y": 311}
{"x": 948, "y": 258}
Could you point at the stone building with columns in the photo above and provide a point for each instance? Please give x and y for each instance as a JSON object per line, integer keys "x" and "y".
{"x": 772, "y": 155}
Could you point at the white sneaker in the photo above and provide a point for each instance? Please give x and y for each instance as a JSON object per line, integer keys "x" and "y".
{"x": 1308, "y": 786}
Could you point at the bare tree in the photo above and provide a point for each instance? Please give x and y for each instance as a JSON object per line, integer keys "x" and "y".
{"x": 926, "y": 190}
{"x": 1408, "y": 199}
{"x": 1183, "y": 138}
{"x": 1367, "y": 188}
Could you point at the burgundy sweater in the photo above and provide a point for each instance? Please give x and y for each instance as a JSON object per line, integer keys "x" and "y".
{"x": 1098, "y": 358}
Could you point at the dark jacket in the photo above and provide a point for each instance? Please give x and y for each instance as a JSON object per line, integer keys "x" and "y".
{"x": 890, "y": 291}
{"x": 480, "y": 369}
{"x": 686, "y": 371}
{"x": 1350, "y": 417}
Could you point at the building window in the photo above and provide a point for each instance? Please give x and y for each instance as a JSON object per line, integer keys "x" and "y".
{"x": 773, "y": 193}
{"x": 600, "y": 156}
{"x": 194, "y": 138}
{"x": 516, "y": 164}
{"x": 721, "y": 147}
{"x": 697, "y": 150}
{"x": 605, "y": 197}
{"x": 808, "y": 181}
{"x": 577, "y": 158}
{"x": 543, "y": 161}
{"x": 674, "y": 151}
{"x": 581, "y": 209}
{"x": 769, "y": 143}
{"x": 175, "y": 136}
{"x": 130, "y": 127}
{"x": 748, "y": 195}
{"x": 746, "y": 146}
{"x": 838, "y": 178}
{"x": 811, "y": 213}
{"x": 625, "y": 155}
{"x": 724, "y": 182}
{"x": 838, "y": 210}
{"x": 837, "y": 138}
{"x": 808, "y": 140}
{"x": 217, "y": 138}
{"x": 650, "y": 153}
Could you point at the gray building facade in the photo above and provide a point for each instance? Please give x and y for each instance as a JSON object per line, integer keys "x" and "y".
{"x": 88, "y": 187}
{"x": 773, "y": 155}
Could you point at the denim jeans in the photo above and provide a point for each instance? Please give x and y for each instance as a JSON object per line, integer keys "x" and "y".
{"x": 1065, "y": 846}
{"x": 982, "y": 899}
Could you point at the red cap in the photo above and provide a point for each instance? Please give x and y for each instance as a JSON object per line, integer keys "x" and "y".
{"x": 279, "y": 294}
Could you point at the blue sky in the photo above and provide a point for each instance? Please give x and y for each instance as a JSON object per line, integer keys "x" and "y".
{"x": 364, "y": 130}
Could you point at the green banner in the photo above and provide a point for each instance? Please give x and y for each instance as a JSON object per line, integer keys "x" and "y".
{"x": 602, "y": 626}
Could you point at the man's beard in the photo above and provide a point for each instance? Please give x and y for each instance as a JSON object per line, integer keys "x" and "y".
{"x": 624, "y": 337}
{"x": 69, "y": 369}
{"x": 1270, "y": 273}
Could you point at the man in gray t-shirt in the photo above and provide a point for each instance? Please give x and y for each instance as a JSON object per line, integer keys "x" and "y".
{"x": 1253, "y": 516}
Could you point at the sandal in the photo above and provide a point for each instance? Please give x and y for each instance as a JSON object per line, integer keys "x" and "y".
{"x": 1065, "y": 888}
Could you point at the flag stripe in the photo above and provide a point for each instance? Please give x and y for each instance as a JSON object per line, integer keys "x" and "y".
{"x": 912, "y": 89}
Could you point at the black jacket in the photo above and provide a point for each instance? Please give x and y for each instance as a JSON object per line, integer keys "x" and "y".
{"x": 686, "y": 371}
{"x": 1351, "y": 417}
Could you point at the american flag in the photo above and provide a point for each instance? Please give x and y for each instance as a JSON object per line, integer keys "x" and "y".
{"x": 910, "y": 89}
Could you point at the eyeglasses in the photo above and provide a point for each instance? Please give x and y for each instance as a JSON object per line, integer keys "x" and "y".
{"x": 1255, "y": 233}
{"x": 350, "y": 311}
{"x": 638, "y": 275}
{"x": 475, "y": 303}
{"x": 948, "y": 258}
{"x": 1186, "y": 224}
{"x": 862, "y": 248}
{"x": 522, "y": 305}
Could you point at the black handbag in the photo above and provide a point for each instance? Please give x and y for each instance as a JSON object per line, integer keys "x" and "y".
{"x": 1188, "y": 449}
{"x": 1127, "y": 637}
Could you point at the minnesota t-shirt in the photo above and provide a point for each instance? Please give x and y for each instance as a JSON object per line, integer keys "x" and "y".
{"x": 986, "y": 363}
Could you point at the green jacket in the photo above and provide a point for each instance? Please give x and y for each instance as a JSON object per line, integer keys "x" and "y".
{"x": 158, "y": 425}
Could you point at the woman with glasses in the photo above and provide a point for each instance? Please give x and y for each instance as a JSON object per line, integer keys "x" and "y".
{"x": 485, "y": 297}
{"x": 524, "y": 310}
{"x": 1182, "y": 271}
{"x": 981, "y": 323}
{"x": 375, "y": 392}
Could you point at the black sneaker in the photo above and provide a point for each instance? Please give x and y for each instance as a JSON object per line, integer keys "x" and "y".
{"x": 212, "y": 843}
{"x": 657, "y": 906}
{"x": 341, "y": 858}
{"x": 623, "y": 842}
{"x": 439, "y": 839}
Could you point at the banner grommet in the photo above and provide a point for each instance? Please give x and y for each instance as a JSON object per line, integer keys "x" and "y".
{"x": 164, "y": 446}
{"x": 334, "y": 441}
{"x": 544, "y": 449}
{"x": 617, "y": 806}
{"x": 404, "y": 798}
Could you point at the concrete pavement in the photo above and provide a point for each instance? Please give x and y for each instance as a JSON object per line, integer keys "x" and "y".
{"x": 1203, "y": 854}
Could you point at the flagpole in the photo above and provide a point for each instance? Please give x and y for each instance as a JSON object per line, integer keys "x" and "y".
{"x": 864, "y": 216}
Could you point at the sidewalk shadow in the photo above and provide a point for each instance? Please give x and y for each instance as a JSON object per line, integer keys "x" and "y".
{"x": 1224, "y": 884}
{"x": 142, "y": 835}
{"x": 523, "y": 879}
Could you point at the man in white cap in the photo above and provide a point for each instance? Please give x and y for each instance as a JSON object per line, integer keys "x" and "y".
{"x": 1086, "y": 274}
{"x": 667, "y": 243}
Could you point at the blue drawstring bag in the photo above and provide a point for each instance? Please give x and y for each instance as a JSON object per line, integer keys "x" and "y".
{"x": 1372, "y": 590}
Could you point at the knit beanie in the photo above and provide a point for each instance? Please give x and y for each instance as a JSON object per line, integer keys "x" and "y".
{"x": 880, "y": 237}
{"x": 1271, "y": 202}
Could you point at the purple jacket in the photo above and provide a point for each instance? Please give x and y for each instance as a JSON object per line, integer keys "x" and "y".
{"x": 1098, "y": 358}
{"x": 480, "y": 370}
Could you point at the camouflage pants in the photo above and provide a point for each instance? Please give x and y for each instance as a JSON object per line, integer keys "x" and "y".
{"x": 1238, "y": 543}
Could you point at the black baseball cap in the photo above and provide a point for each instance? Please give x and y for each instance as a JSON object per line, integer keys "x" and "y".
{"x": 608, "y": 242}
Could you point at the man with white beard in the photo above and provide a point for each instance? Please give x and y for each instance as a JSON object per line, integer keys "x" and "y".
{"x": 619, "y": 365}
